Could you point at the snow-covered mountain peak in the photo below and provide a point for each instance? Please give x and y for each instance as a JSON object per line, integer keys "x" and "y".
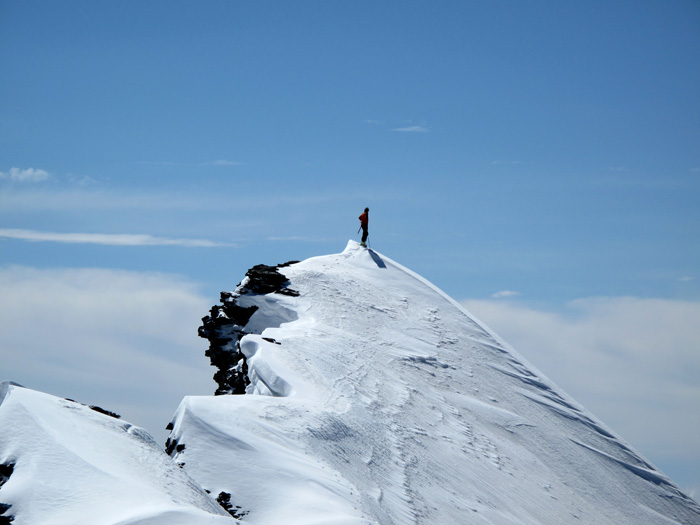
{"x": 65, "y": 463}
{"x": 372, "y": 393}
{"x": 363, "y": 394}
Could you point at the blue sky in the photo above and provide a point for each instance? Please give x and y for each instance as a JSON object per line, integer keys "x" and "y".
{"x": 523, "y": 156}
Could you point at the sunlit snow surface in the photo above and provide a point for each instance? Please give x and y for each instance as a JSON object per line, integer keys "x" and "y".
{"x": 386, "y": 402}
{"x": 75, "y": 466}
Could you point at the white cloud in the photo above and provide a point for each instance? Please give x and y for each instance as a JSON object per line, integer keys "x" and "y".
{"x": 78, "y": 199}
{"x": 505, "y": 294}
{"x": 413, "y": 129}
{"x": 108, "y": 239}
{"x": 126, "y": 341}
{"x": 100, "y": 200}
{"x": 25, "y": 175}
{"x": 632, "y": 362}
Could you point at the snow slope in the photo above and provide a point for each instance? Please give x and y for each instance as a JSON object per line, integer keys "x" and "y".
{"x": 375, "y": 398}
{"x": 63, "y": 463}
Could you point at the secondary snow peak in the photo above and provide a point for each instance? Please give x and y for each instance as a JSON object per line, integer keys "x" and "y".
{"x": 63, "y": 463}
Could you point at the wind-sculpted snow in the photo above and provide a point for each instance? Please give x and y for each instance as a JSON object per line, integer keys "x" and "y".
{"x": 372, "y": 397}
{"x": 239, "y": 314}
{"x": 64, "y": 463}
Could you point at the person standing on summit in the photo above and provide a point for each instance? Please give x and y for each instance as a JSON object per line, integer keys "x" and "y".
{"x": 364, "y": 223}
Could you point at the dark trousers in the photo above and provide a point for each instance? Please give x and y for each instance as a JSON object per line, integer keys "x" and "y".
{"x": 365, "y": 233}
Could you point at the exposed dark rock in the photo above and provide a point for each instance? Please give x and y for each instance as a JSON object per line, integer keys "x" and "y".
{"x": 266, "y": 279}
{"x": 224, "y": 499}
{"x": 6, "y": 470}
{"x": 232, "y": 376}
{"x": 170, "y": 445}
{"x": 173, "y": 447}
{"x": 170, "y": 426}
{"x": 105, "y": 412}
{"x": 96, "y": 409}
{"x": 225, "y": 325}
{"x": 5, "y": 519}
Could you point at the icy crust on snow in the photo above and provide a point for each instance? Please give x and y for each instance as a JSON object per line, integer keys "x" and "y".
{"x": 382, "y": 400}
{"x": 71, "y": 465}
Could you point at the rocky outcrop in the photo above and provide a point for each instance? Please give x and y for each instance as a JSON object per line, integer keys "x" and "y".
{"x": 224, "y": 499}
{"x": 6, "y": 470}
{"x": 98, "y": 409}
{"x": 227, "y": 323}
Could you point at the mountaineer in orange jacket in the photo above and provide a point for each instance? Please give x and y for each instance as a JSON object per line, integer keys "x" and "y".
{"x": 364, "y": 223}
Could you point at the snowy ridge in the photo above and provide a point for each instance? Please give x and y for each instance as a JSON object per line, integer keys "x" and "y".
{"x": 374, "y": 397}
{"x": 68, "y": 464}
{"x": 369, "y": 396}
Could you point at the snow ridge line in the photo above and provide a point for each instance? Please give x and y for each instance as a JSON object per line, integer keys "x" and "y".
{"x": 6, "y": 388}
{"x": 488, "y": 337}
{"x": 649, "y": 474}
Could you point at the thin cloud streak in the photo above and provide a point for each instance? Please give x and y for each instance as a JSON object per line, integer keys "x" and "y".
{"x": 81, "y": 199}
{"x": 219, "y": 162}
{"x": 107, "y": 239}
{"x": 413, "y": 129}
{"x": 73, "y": 200}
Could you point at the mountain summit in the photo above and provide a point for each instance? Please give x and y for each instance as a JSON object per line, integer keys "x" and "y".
{"x": 354, "y": 392}
{"x": 369, "y": 396}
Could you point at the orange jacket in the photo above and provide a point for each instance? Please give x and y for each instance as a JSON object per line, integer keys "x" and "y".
{"x": 364, "y": 219}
